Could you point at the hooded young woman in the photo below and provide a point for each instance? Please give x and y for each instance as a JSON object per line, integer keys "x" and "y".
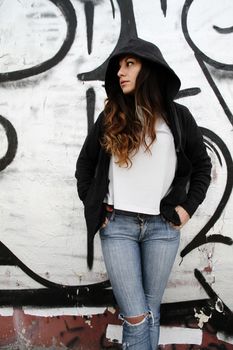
{"x": 142, "y": 172}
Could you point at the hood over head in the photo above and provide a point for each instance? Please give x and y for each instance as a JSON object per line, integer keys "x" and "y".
{"x": 147, "y": 51}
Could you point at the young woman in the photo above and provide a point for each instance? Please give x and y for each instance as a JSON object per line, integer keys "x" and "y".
{"x": 142, "y": 172}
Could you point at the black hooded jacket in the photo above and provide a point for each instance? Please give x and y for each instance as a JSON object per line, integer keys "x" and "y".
{"x": 192, "y": 176}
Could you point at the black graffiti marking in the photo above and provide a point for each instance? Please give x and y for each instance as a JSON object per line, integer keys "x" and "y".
{"x": 12, "y": 143}
{"x": 212, "y": 84}
{"x": 58, "y": 297}
{"x": 98, "y": 297}
{"x": 94, "y": 294}
{"x": 69, "y": 14}
{"x": 212, "y": 148}
{"x": 180, "y": 311}
{"x": 90, "y": 295}
{"x": 12, "y": 259}
{"x": 113, "y": 8}
{"x": 222, "y": 317}
{"x": 209, "y": 60}
{"x": 90, "y": 96}
{"x": 201, "y": 58}
{"x": 95, "y": 2}
{"x": 76, "y": 340}
{"x": 128, "y": 30}
{"x": 208, "y": 289}
{"x": 188, "y": 92}
{"x": 223, "y": 30}
{"x": 164, "y": 6}
{"x": 89, "y": 13}
{"x": 52, "y": 297}
{"x": 201, "y": 237}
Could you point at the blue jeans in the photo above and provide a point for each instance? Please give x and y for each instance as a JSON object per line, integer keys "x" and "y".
{"x": 139, "y": 252}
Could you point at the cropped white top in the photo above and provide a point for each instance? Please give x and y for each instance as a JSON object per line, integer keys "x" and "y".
{"x": 141, "y": 187}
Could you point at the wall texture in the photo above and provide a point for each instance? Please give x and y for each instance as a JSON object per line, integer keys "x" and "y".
{"x": 53, "y": 55}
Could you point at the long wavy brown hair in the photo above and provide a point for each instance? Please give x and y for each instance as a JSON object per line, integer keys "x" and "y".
{"x": 130, "y": 119}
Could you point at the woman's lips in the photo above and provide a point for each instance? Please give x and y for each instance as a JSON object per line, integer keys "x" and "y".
{"x": 123, "y": 82}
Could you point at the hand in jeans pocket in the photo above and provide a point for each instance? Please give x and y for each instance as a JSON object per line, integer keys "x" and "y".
{"x": 183, "y": 215}
{"x": 108, "y": 214}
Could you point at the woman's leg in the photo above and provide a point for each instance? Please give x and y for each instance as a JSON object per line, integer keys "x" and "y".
{"x": 159, "y": 247}
{"x": 121, "y": 251}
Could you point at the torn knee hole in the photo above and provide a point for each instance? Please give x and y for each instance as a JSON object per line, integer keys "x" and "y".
{"x": 136, "y": 319}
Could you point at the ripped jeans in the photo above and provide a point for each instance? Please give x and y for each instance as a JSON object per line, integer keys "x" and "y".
{"x": 139, "y": 252}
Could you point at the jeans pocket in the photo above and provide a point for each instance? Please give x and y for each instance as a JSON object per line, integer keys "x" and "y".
{"x": 169, "y": 224}
{"x": 164, "y": 220}
{"x": 108, "y": 217}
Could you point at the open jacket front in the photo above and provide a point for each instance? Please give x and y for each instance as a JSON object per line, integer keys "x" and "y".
{"x": 192, "y": 176}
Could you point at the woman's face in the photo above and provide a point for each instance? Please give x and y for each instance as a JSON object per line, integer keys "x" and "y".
{"x": 129, "y": 67}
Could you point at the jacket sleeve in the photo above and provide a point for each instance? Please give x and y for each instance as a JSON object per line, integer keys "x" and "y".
{"x": 195, "y": 150}
{"x": 88, "y": 158}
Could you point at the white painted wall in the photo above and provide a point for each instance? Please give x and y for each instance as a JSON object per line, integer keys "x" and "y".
{"x": 41, "y": 217}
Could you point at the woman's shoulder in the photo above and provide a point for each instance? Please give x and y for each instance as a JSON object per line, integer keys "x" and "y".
{"x": 184, "y": 114}
{"x": 182, "y": 109}
{"x": 97, "y": 127}
{"x": 100, "y": 119}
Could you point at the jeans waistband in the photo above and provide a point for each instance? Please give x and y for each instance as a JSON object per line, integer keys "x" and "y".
{"x": 111, "y": 208}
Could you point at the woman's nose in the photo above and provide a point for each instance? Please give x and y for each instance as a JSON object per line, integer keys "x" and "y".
{"x": 120, "y": 72}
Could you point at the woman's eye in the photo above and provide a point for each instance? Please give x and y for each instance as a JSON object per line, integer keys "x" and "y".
{"x": 129, "y": 63}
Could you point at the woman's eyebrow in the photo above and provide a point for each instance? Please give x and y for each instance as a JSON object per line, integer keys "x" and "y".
{"x": 130, "y": 57}
{"x": 126, "y": 58}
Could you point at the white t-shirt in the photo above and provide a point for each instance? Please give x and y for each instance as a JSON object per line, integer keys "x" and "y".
{"x": 141, "y": 187}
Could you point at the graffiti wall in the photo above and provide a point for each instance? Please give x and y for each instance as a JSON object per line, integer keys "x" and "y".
{"x": 53, "y": 55}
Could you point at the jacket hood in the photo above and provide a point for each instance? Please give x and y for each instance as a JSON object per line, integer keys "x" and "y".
{"x": 147, "y": 51}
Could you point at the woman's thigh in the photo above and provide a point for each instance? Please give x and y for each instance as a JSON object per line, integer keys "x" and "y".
{"x": 121, "y": 251}
{"x": 159, "y": 249}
